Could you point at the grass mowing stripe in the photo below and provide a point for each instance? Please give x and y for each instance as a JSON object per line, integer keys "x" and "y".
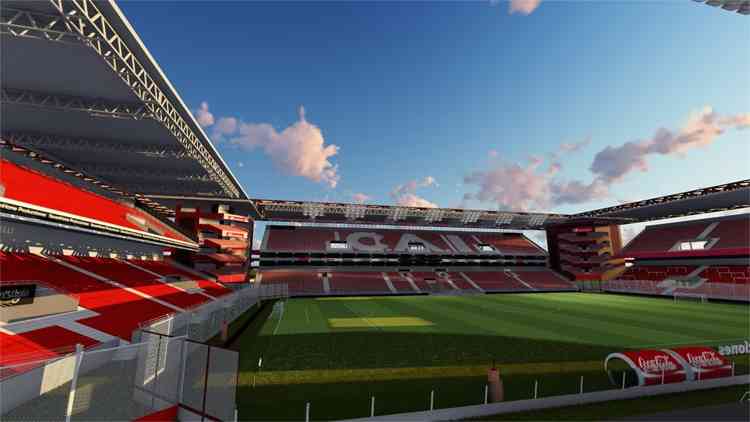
{"x": 664, "y": 308}
{"x": 729, "y": 310}
{"x": 640, "y": 317}
{"x": 592, "y": 331}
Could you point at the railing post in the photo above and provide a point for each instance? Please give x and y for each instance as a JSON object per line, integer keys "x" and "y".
{"x": 307, "y": 412}
{"x": 372, "y": 406}
{"x": 623, "y": 379}
{"x": 486, "y": 393}
{"x": 536, "y": 388}
{"x": 74, "y": 382}
{"x": 432, "y": 400}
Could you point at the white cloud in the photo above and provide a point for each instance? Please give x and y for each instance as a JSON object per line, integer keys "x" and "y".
{"x": 412, "y": 200}
{"x": 240, "y": 164}
{"x": 299, "y": 150}
{"x": 703, "y": 127}
{"x": 203, "y": 116}
{"x": 224, "y": 126}
{"x": 524, "y": 7}
{"x": 405, "y": 194}
{"x": 574, "y": 146}
{"x": 361, "y": 198}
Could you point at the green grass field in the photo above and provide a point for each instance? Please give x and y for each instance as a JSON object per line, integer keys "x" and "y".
{"x": 338, "y": 352}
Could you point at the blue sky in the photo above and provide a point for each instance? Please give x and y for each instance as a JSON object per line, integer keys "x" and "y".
{"x": 448, "y": 102}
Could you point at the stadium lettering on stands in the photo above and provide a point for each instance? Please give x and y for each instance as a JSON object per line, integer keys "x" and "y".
{"x": 735, "y": 349}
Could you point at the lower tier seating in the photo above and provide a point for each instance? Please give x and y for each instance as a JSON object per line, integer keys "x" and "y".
{"x": 21, "y": 352}
{"x": 120, "y": 311}
{"x": 719, "y": 282}
{"x": 495, "y": 281}
{"x": 358, "y": 283}
{"x": 300, "y": 282}
{"x": 544, "y": 280}
{"x": 400, "y": 283}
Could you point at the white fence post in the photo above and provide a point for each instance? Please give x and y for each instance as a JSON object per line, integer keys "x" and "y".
{"x": 372, "y": 406}
{"x": 536, "y": 388}
{"x": 486, "y": 393}
{"x": 581, "y": 389}
{"x": 623, "y": 379}
{"x": 307, "y": 412}
{"x": 432, "y": 400}
{"x": 74, "y": 382}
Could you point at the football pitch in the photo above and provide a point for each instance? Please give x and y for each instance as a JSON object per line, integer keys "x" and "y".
{"x": 336, "y": 353}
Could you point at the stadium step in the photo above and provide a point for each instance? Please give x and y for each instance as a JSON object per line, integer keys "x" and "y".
{"x": 388, "y": 283}
{"x": 470, "y": 281}
{"x": 160, "y": 278}
{"x": 412, "y": 283}
{"x": 326, "y": 284}
{"x": 114, "y": 283}
{"x": 520, "y": 280}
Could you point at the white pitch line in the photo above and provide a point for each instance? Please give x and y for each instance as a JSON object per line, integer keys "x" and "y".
{"x": 278, "y": 323}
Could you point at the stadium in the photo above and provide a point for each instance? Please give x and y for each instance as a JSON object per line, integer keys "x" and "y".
{"x": 131, "y": 288}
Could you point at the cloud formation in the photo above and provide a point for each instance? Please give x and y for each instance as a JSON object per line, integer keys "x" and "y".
{"x": 523, "y": 7}
{"x": 203, "y": 116}
{"x": 360, "y": 198}
{"x": 299, "y": 149}
{"x": 405, "y": 194}
{"x": 703, "y": 127}
{"x": 526, "y": 187}
{"x": 517, "y": 187}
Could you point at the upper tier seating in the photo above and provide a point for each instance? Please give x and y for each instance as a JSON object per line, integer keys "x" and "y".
{"x": 722, "y": 236}
{"x": 299, "y": 282}
{"x": 120, "y": 311}
{"x": 732, "y": 233}
{"x": 309, "y": 239}
{"x": 358, "y": 283}
{"x": 166, "y": 269}
{"x": 137, "y": 279}
{"x": 62, "y": 196}
{"x": 662, "y": 238}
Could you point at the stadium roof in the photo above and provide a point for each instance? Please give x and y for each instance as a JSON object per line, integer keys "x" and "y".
{"x": 80, "y": 88}
{"x": 739, "y": 6}
{"x": 729, "y": 196}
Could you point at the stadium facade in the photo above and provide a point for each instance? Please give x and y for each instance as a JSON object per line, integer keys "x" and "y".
{"x": 121, "y": 223}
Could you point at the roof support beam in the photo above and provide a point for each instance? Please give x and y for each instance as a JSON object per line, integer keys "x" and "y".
{"x": 27, "y": 24}
{"x": 131, "y": 173}
{"x": 85, "y": 18}
{"x": 67, "y": 144}
{"x": 92, "y": 106}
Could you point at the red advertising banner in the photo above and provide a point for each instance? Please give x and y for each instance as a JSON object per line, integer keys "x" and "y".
{"x": 667, "y": 366}
{"x": 652, "y": 366}
{"x": 702, "y": 362}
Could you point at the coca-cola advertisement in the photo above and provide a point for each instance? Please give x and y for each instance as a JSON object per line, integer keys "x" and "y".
{"x": 702, "y": 362}
{"x": 652, "y": 366}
